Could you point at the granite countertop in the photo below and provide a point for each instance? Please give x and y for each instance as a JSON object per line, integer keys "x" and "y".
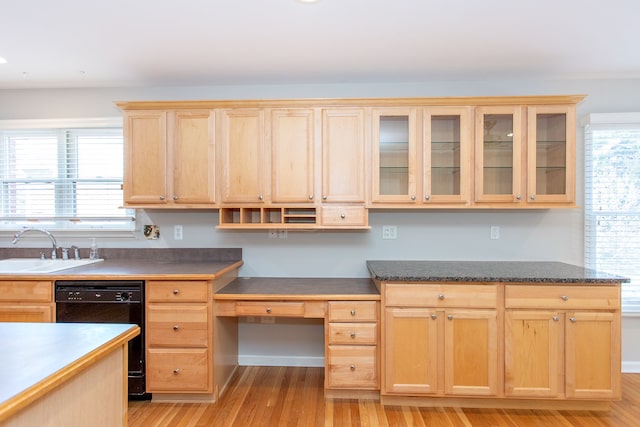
{"x": 488, "y": 271}
{"x": 33, "y": 353}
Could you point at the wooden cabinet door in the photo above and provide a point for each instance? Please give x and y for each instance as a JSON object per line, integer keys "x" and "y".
{"x": 533, "y": 353}
{"x": 592, "y": 355}
{"x": 471, "y": 352}
{"x": 410, "y": 350}
{"x": 498, "y": 157}
{"x": 447, "y": 155}
{"x": 292, "y": 156}
{"x": 39, "y": 313}
{"x": 193, "y": 157}
{"x": 394, "y": 155}
{"x": 551, "y": 154}
{"x": 343, "y": 155}
{"x": 145, "y": 151}
{"x": 243, "y": 160}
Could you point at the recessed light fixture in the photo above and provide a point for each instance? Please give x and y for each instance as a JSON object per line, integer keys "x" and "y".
{"x": 2, "y": 60}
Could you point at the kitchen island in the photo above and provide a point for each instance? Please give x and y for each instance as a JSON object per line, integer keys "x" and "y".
{"x": 67, "y": 374}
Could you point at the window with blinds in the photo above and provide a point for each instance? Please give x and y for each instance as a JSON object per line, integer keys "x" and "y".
{"x": 63, "y": 178}
{"x": 612, "y": 199}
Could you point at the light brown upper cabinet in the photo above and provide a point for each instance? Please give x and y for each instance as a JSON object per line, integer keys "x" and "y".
{"x": 343, "y": 155}
{"x": 551, "y": 154}
{"x": 447, "y": 156}
{"x": 292, "y": 155}
{"x": 395, "y": 157}
{"x": 169, "y": 158}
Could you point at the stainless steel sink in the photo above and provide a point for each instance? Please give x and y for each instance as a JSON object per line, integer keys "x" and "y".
{"x": 36, "y": 265}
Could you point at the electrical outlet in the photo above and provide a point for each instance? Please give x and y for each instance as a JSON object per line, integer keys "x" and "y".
{"x": 282, "y": 234}
{"x": 495, "y": 232}
{"x": 389, "y": 232}
{"x": 273, "y": 234}
{"x": 177, "y": 232}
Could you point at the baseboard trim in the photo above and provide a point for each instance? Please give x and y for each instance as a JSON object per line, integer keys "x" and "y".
{"x": 260, "y": 360}
{"x": 630, "y": 367}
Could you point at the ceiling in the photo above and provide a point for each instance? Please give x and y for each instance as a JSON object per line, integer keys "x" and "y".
{"x": 126, "y": 43}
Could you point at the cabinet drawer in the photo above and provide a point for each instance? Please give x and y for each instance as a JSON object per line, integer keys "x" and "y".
{"x": 352, "y": 366}
{"x": 563, "y": 297}
{"x": 177, "y": 325}
{"x": 270, "y": 308}
{"x": 344, "y": 215}
{"x": 353, "y": 311}
{"x": 177, "y": 370}
{"x": 440, "y": 295}
{"x": 26, "y": 291}
{"x": 178, "y": 291}
{"x": 353, "y": 333}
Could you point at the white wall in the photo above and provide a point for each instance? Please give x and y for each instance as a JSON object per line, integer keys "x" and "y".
{"x": 555, "y": 235}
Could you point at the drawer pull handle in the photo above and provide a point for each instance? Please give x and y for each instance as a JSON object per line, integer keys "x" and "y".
{"x": 268, "y": 309}
{"x": 450, "y": 317}
{"x": 353, "y": 335}
{"x": 556, "y": 318}
{"x": 573, "y": 319}
{"x": 176, "y": 291}
{"x": 343, "y": 216}
{"x": 434, "y": 316}
{"x": 176, "y": 371}
{"x": 353, "y": 311}
{"x": 564, "y": 298}
{"x": 176, "y": 327}
{"x": 352, "y": 367}
{"x": 441, "y": 296}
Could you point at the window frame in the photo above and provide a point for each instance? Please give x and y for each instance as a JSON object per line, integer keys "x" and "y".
{"x": 69, "y": 227}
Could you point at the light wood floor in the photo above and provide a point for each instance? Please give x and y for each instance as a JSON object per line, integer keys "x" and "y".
{"x": 290, "y": 396}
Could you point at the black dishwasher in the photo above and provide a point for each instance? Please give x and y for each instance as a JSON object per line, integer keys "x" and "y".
{"x": 108, "y": 301}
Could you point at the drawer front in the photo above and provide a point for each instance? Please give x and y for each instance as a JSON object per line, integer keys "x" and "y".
{"x": 270, "y": 308}
{"x": 26, "y": 291}
{"x": 440, "y": 295}
{"x": 177, "y": 370}
{"x": 344, "y": 215}
{"x": 353, "y": 311}
{"x": 177, "y": 291}
{"x": 353, "y": 333}
{"x": 563, "y": 297}
{"x": 352, "y": 367}
{"x": 181, "y": 326}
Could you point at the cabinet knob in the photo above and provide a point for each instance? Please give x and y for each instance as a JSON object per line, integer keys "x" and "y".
{"x": 413, "y": 197}
{"x": 353, "y": 335}
{"x": 532, "y": 197}
{"x": 434, "y": 316}
{"x": 450, "y": 317}
{"x": 310, "y": 196}
{"x": 175, "y": 197}
{"x": 343, "y": 216}
{"x": 427, "y": 197}
{"x": 555, "y": 318}
{"x": 573, "y": 319}
{"x": 260, "y": 197}
{"x": 268, "y": 310}
{"x": 176, "y": 327}
{"x": 518, "y": 197}
{"x": 564, "y": 298}
{"x": 161, "y": 197}
{"x": 353, "y": 311}
{"x": 176, "y": 371}
{"x": 176, "y": 291}
{"x": 441, "y": 296}
{"x": 352, "y": 367}
{"x": 324, "y": 197}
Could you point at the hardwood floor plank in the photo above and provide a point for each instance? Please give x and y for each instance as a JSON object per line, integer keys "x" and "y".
{"x": 293, "y": 396}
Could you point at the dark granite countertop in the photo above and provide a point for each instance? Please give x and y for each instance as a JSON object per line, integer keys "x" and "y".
{"x": 488, "y": 271}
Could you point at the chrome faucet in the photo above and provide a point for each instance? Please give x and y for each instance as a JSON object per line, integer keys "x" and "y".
{"x": 17, "y": 237}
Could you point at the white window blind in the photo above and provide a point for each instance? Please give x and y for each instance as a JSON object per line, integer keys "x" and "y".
{"x": 612, "y": 199}
{"x": 63, "y": 178}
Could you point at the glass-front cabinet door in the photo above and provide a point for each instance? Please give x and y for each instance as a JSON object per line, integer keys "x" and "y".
{"x": 394, "y": 155}
{"x": 499, "y": 154}
{"x": 446, "y": 155}
{"x": 551, "y": 154}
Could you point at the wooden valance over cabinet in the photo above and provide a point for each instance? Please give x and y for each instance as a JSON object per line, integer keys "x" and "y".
{"x": 323, "y": 163}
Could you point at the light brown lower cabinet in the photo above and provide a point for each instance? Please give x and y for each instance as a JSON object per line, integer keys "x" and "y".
{"x": 26, "y": 301}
